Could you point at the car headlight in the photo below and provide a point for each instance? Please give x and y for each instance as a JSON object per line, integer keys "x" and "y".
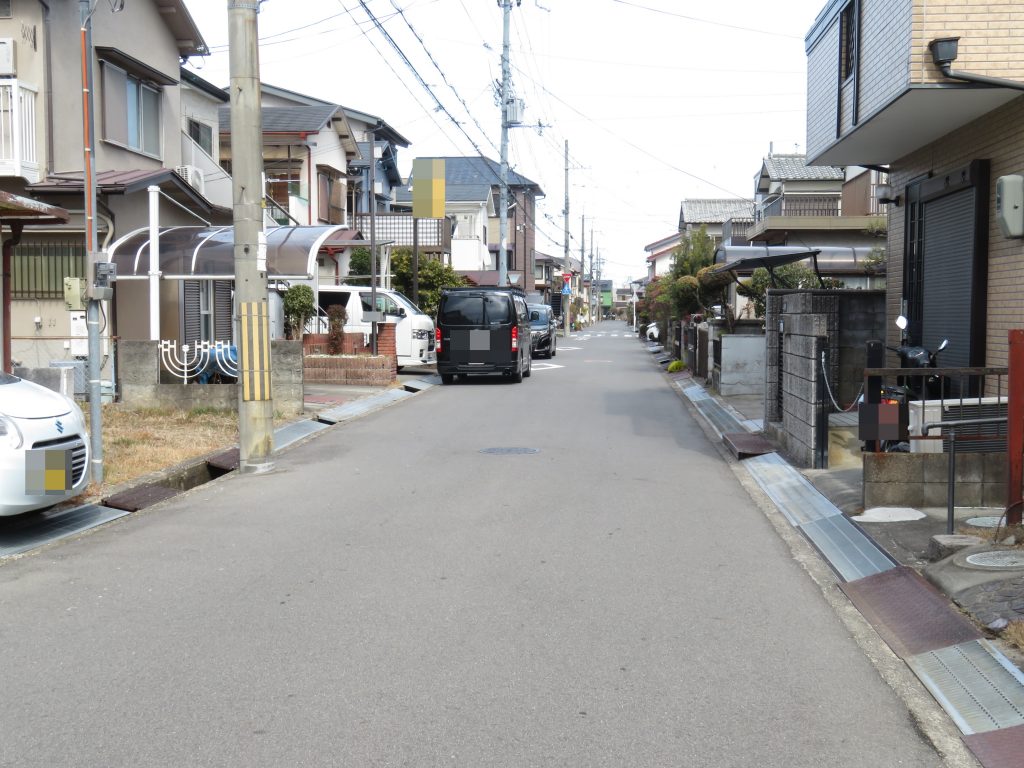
{"x": 10, "y": 435}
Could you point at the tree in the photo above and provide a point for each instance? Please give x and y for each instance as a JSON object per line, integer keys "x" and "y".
{"x": 299, "y": 306}
{"x": 789, "y": 276}
{"x": 694, "y": 252}
{"x": 359, "y": 264}
{"x": 434, "y": 275}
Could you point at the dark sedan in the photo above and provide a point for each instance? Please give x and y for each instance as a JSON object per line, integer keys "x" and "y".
{"x": 543, "y": 330}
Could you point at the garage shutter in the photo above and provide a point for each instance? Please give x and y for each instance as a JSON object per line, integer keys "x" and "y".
{"x": 191, "y": 312}
{"x": 947, "y": 276}
{"x": 222, "y": 321}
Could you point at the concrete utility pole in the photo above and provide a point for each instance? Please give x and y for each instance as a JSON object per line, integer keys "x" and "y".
{"x": 92, "y": 311}
{"x": 255, "y": 402}
{"x": 506, "y": 76}
{"x": 373, "y": 241}
{"x": 565, "y": 213}
{"x": 583, "y": 263}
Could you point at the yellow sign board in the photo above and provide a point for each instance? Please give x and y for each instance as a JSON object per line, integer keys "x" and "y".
{"x": 428, "y": 189}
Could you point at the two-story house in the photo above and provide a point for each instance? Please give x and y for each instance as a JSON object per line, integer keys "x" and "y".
{"x": 724, "y": 220}
{"x": 136, "y": 101}
{"x": 929, "y": 92}
{"x": 660, "y": 254}
{"x": 472, "y": 189}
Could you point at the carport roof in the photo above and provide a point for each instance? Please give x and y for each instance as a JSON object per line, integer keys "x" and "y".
{"x": 208, "y": 253}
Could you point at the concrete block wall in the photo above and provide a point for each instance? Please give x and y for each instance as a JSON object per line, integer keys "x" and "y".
{"x": 799, "y": 326}
{"x": 921, "y": 480}
{"x": 140, "y": 383}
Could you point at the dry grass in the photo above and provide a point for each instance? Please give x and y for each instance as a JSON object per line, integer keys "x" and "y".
{"x": 989, "y": 534}
{"x": 136, "y": 443}
{"x": 1014, "y": 633}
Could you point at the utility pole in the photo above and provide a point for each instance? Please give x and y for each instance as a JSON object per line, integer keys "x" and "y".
{"x": 255, "y": 401}
{"x": 565, "y": 213}
{"x": 373, "y": 241}
{"x": 92, "y": 310}
{"x": 583, "y": 262}
{"x": 506, "y": 76}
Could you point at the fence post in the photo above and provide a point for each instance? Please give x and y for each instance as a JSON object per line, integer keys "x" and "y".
{"x": 1015, "y": 429}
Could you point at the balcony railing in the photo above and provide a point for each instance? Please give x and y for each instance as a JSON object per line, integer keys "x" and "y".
{"x": 800, "y": 205}
{"x": 18, "y": 155}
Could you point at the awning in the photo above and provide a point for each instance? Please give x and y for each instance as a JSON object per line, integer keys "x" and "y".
{"x": 208, "y": 253}
{"x": 833, "y": 260}
{"x": 763, "y": 260}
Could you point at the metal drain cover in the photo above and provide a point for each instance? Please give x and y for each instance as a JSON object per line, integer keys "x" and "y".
{"x": 990, "y": 521}
{"x": 508, "y": 451}
{"x": 1003, "y": 559}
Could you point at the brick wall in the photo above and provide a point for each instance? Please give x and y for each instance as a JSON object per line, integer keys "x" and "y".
{"x": 356, "y": 367}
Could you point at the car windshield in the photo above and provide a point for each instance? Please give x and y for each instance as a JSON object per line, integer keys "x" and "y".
{"x": 541, "y": 320}
{"x": 475, "y": 309}
{"x": 404, "y": 301}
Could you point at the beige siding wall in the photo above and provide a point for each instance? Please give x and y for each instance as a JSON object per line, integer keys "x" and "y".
{"x": 995, "y": 137}
{"x": 989, "y": 32}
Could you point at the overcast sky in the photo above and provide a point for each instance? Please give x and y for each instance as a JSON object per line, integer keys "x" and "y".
{"x": 659, "y": 100}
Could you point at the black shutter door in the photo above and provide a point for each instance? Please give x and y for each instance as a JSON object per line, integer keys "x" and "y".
{"x": 947, "y": 276}
{"x": 222, "y": 321}
{"x": 191, "y": 318}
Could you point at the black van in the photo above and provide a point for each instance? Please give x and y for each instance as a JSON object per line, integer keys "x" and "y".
{"x": 482, "y": 330}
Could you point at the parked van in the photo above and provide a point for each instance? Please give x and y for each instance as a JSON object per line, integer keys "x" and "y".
{"x": 483, "y": 330}
{"x": 414, "y": 330}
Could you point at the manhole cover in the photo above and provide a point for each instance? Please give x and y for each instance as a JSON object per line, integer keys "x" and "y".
{"x": 509, "y": 451}
{"x": 1008, "y": 559}
{"x": 984, "y": 522}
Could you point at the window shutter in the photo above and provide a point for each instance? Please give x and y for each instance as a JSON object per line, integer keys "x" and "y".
{"x": 115, "y": 104}
{"x": 222, "y": 320}
{"x": 323, "y": 200}
{"x": 191, "y": 317}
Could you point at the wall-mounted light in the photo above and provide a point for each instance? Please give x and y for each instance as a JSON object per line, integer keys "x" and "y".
{"x": 884, "y": 195}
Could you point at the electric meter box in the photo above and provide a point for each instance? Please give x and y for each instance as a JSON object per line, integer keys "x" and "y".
{"x": 74, "y": 294}
{"x": 1010, "y": 205}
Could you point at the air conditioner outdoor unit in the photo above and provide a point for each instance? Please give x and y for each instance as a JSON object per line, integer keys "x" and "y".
{"x": 8, "y": 66}
{"x": 954, "y": 409}
{"x": 193, "y": 176}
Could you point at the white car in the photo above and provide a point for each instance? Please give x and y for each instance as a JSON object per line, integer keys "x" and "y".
{"x": 44, "y": 447}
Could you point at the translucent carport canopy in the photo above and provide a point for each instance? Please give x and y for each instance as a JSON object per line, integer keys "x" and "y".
{"x": 208, "y": 253}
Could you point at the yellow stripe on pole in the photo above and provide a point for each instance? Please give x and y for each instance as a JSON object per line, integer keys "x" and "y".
{"x": 254, "y": 358}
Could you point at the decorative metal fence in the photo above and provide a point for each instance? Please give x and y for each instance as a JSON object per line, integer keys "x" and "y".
{"x": 202, "y": 362}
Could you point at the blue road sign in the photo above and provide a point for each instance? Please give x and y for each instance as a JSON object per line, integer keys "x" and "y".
{"x": 566, "y": 290}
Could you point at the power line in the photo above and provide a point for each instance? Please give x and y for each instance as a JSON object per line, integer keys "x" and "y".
{"x": 708, "y": 21}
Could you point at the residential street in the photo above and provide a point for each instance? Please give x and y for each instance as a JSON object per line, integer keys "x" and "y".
{"x": 394, "y": 596}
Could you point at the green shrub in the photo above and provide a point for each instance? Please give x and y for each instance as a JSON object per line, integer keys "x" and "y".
{"x": 299, "y": 306}
{"x": 336, "y": 317}
{"x": 675, "y": 366}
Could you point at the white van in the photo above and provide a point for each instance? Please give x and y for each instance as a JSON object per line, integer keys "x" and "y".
{"x": 414, "y": 330}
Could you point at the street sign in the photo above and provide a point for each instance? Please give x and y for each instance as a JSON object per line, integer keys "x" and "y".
{"x": 566, "y": 290}
{"x": 567, "y": 277}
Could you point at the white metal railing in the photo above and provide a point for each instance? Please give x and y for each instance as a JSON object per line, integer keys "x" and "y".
{"x": 18, "y": 155}
{"x": 199, "y": 362}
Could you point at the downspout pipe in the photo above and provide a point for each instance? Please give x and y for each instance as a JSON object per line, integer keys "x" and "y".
{"x": 8, "y": 249}
{"x": 48, "y": 85}
{"x": 967, "y": 77}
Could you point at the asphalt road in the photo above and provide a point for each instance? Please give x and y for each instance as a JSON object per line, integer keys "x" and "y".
{"x": 392, "y": 596}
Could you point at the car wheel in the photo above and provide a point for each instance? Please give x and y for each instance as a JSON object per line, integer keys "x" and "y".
{"x": 517, "y": 374}
{"x": 529, "y": 367}
{"x": 447, "y": 378}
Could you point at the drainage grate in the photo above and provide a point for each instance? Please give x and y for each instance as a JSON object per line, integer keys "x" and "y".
{"x": 1004, "y": 559}
{"x": 850, "y": 553}
{"x": 977, "y": 686}
{"x": 19, "y": 536}
{"x": 509, "y": 451}
{"x": 798, "y": 500}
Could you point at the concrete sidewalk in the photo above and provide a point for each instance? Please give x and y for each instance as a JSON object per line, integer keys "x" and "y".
{"x": 941, "y": 618}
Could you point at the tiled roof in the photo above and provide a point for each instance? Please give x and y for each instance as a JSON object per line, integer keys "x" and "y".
{"x": 479, "y": 170}
{"x": 453, "y": 193}
{"x": 714, "y": 211}
{"x": 287, "y": 119}
{"x": 795, "y": 168}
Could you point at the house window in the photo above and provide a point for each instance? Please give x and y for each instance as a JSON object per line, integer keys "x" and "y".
{"x": 5, "y": 9}
{"x": 848, "y": 41}
{"x": 201, "y": 134}
{"x": 38, "y": 269}
{"x": 330, "y": 200}
{"x": 131, "y": 111}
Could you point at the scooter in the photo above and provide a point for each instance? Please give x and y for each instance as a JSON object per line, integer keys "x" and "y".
{"x": 912, "y": 387}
